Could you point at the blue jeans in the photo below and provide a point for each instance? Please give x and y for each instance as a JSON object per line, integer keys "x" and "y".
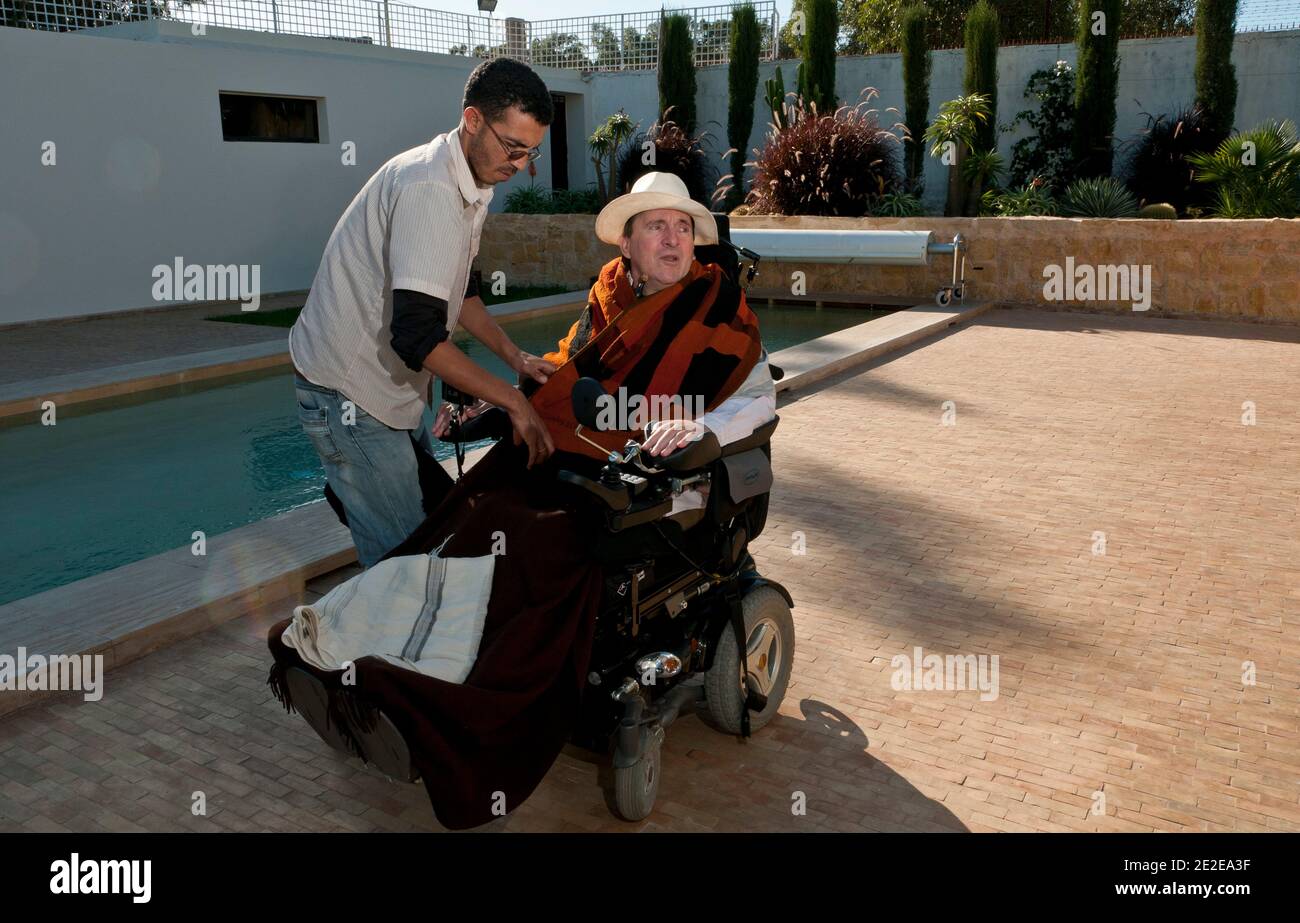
{"x": 370, "y": 465}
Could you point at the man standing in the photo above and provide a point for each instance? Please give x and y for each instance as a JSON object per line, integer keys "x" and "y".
{"x": 392, "y": 285}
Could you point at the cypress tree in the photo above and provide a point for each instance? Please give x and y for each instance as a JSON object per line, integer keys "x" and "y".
{"x": 1095, "y": 87}
{"x": 677, "y": 71}
{"x": 817, "y": 81}
{"x": 916, "y": 89}
{"x": 982, "y": 67}
{"x": 1216, "y": 78}
{"x": 742, "y": 85}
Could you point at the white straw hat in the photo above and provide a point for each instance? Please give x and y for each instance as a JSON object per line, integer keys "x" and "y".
{"x": 651, "y": 191}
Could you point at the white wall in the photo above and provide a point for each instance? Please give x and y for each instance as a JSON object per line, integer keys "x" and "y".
{"x": 143, "y": 176}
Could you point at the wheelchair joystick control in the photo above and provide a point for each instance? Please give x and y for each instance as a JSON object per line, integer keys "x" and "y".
{"x": 610, "y": 477}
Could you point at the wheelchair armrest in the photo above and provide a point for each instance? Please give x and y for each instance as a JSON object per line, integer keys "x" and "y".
{"x": 698, "y": 454}
{"x": 617, "y": 499}
{"x": 706, "y": 451}
{"x": 758, "y": 437}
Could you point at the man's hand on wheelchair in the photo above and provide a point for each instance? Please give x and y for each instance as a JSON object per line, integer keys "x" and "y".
{"x": 529, "y": 428}
{"x": 442, "y": 422}
{"x": 524, "y": 421}
{"x": 667, "y": 436}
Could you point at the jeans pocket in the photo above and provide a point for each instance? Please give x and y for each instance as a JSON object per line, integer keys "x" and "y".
{"x": 316, "y": 424}
{"x": 358, "y": 413}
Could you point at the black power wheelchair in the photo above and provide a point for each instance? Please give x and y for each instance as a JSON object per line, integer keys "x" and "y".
{"x": 686, "y": 622}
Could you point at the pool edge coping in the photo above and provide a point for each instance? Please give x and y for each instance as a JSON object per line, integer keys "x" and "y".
{"x": 28, "y": 397}
{"x": 330, "y": 548}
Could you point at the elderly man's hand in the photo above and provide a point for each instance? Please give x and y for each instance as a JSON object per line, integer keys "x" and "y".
{"x": 667, "y": 436}
{"x": 534, "y": 367}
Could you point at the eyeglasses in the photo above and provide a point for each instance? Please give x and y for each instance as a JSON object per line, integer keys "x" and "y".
{"x": 513, "y": 154}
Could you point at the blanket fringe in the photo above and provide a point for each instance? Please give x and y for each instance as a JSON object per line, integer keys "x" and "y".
{"x": 279, "y": 687}
{"x": 337, "y": 715}
{"x": 344, "y": 710}
{"x": 350, "y": 713}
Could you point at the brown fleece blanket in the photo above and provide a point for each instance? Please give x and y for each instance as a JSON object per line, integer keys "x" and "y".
{"x": 499, "y": 731}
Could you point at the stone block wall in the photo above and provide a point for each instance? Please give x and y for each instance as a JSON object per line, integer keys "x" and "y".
{"x": 1243, "y": 269}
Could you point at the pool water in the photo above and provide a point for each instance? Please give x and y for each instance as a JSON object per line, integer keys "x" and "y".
{"x": 116, "y": 483}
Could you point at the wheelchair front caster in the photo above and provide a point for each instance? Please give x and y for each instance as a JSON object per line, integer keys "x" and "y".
{"x": 943, "y": 297}
{"x": 637, "y": 786}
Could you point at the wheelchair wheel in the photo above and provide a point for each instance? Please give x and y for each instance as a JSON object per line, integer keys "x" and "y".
{"x": 637, "y": 786}
{"x": 769, "y": 630}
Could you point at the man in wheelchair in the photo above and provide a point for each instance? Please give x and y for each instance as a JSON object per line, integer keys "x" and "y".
{"x": 593, "y": 597}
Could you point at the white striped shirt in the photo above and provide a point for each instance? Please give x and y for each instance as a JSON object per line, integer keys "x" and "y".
{"x": 414, "y": 225}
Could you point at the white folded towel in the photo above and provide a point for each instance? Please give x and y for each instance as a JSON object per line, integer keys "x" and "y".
{"x": 421, "y": 612}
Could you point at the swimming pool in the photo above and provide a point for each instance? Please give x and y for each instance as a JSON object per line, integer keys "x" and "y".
{"x": 113, "y": 483}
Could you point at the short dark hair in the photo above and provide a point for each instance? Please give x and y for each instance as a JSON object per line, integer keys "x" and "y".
{"x": 627, "y": 225}
{"x": 496, "y": 85}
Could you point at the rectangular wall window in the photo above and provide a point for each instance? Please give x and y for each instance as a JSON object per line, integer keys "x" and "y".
{"x": 247, "y": 117}
{"x": 559, "y": 138}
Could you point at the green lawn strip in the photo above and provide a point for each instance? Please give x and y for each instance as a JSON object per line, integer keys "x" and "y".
{"x": 284, "y": 317}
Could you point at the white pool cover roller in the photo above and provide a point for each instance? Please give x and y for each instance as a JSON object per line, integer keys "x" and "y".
{"x": 878, "y": 248}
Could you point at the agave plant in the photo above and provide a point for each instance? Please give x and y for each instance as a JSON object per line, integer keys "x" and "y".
{"x": 1032, "y": 199}
{"x": 898, "y": 205}
{"x": 1098, "y": 197}
{"x": 954, "y": 129}
{"x": 1256, "y": 173}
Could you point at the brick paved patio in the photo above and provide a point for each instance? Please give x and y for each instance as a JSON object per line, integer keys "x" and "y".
{"x": 1119, "y": 672}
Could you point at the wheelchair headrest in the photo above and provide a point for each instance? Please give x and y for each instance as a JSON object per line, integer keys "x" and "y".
{"x": 586, "y": 397}
{"x": 722, "y": 252}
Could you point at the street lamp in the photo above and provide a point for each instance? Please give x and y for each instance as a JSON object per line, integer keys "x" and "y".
{"x": 487, "y": 6}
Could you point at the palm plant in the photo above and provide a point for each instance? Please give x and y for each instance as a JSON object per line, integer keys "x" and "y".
{"x": 953, "y": 131}
{"x": 604, "y": 145}
{"x": 1256, "y": 173}
{"x": 978, "y": 169}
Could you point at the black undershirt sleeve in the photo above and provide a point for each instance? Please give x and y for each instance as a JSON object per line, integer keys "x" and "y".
{"x": 419, "y": 324}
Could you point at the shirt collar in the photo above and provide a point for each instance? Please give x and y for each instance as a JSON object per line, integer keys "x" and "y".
{"x": 469, "y": 189}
